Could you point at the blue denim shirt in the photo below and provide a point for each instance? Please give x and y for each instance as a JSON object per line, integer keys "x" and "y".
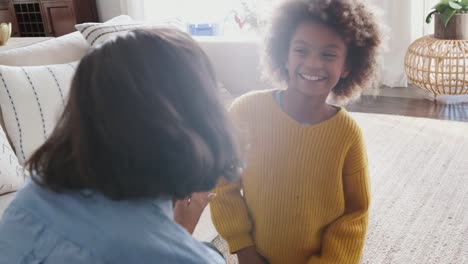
{"x": 41, "y": 226}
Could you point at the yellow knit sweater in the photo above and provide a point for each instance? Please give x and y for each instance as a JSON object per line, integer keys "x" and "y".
{"x": 304, "y": 195}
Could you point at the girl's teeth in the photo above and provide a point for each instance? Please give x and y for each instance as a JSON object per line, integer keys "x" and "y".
{"x": 311, "y": 77}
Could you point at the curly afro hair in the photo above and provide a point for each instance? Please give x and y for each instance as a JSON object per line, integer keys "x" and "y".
{"x": 352, "y": 19}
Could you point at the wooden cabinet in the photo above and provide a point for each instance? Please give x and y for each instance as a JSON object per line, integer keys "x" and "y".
{"x": 59, "y": 17}
{"x": 51, "y": 18}
{"x": 7, "y": 14}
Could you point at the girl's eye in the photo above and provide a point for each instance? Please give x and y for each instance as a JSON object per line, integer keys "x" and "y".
{"x": 300, "y": 51}
{"x": 329, "y": 55}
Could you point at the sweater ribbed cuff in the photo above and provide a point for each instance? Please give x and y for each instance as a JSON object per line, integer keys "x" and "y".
{"x": 239, "y": 242}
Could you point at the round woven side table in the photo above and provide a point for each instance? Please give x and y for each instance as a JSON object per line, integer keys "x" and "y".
{"x": 439, "y": 66}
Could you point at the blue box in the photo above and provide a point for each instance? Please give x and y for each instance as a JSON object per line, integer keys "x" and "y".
{"x": 204, "y": 29}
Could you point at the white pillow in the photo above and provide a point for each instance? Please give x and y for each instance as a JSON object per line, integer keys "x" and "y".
{"x": 11, "y": 172}
{"x": 98, "y": 33}
{"x": 64, "y": 49}
{"x": 32, "y": 99}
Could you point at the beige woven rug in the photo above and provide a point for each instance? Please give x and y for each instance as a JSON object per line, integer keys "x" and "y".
{"x": 419, "y": 179}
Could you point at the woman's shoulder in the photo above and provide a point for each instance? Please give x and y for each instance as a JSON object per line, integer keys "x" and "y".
{"x": 26, "y": 238}
{"x": 89, "y": 230}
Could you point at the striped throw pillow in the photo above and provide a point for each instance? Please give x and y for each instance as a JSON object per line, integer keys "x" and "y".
{"x": 98, "y": 33}
{"x": 32, "y": 98}
{"x": 11, "y": 172}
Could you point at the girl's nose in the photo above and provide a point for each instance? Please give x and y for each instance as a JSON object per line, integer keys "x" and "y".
{"x": 313, "y": 61}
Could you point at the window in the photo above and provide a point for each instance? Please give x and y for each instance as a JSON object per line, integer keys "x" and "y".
{"x": 211, "y": 17}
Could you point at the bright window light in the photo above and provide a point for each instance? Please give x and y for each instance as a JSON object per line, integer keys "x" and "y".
{"x": 234, "y": 18}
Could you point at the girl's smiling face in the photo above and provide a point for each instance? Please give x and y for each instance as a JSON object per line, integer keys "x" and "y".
{"x": 316, "y": 59}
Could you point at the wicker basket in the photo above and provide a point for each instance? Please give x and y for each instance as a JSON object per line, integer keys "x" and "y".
{"x": 439, "y": 66}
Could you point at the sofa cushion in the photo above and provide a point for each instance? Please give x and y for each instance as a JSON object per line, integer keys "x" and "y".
{"x": 32, "y": 99}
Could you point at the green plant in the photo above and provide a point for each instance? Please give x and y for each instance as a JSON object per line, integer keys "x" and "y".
{"x": 447, "y": 8}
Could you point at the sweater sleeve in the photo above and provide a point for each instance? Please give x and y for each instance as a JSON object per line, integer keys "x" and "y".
{"x": 230, "y": 216}
{"x": 228, "y": 209}
{"x": 343, "y": 240}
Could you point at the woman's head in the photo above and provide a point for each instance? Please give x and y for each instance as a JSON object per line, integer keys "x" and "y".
{"x": 323, "y": 46}
{"x": 142, "y": 120}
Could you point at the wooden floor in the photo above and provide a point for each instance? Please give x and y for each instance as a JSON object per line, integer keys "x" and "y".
{"x": 411, "y": 107}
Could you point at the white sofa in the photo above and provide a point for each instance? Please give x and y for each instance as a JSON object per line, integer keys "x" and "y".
{"x": 235, "y": 63}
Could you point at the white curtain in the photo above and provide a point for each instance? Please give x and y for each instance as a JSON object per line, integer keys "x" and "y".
{"x": 405, "y": 20}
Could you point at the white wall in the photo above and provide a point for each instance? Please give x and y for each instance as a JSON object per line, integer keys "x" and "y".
{"x": 108, "y": 9}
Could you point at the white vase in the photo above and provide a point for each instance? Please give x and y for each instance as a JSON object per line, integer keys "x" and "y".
{"x": 5, "y": 33}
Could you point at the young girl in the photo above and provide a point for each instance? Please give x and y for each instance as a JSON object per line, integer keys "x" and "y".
{"x": 304, "y": 194}
{"x": 142, "y": 125}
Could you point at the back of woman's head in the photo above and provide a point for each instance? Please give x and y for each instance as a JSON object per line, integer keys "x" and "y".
{"x": 142, "y": 120}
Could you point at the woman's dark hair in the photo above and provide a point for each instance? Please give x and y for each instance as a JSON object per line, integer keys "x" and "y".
{"x": 352, "y": 19}
{"x": 142, "y": 120}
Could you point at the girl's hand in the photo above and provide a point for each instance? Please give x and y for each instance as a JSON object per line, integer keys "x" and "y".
{"x": 249, "y": 255}
{"x": 187, "y": 212}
